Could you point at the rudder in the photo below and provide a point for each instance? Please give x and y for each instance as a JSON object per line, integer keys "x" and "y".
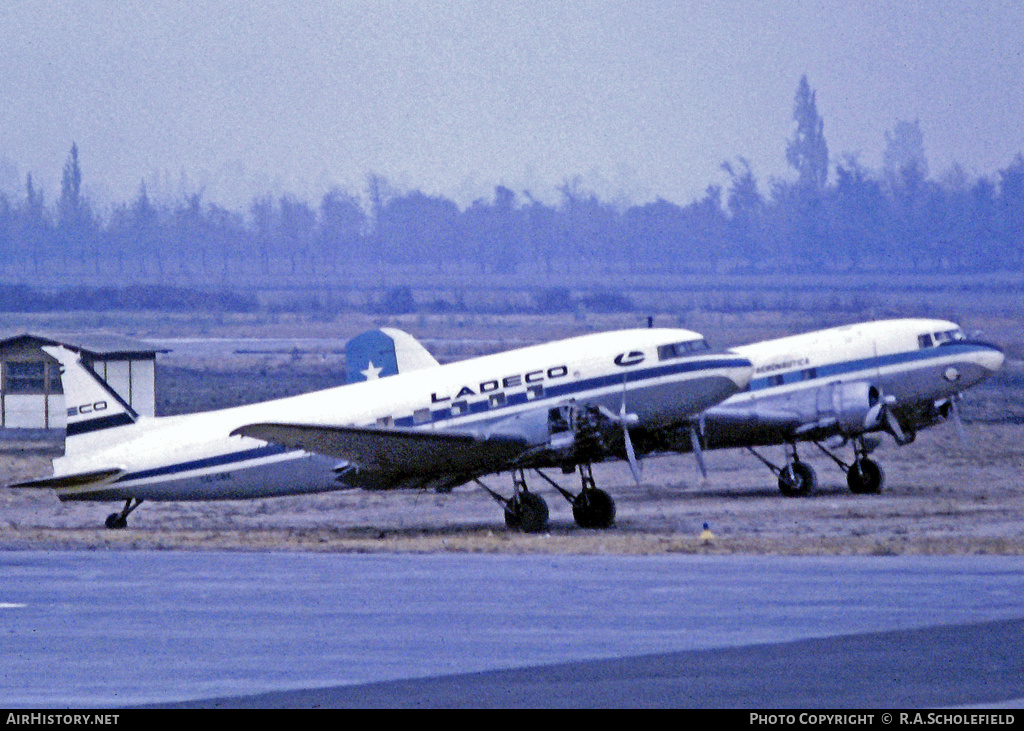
{"x": 92, "y": 406}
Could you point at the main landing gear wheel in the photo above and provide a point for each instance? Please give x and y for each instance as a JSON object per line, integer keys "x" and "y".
{"x": 526, "y": 512}
{"x": 593, "y": 508}
{"x": 797, "y": 479}
{"x": 865, "y": 477}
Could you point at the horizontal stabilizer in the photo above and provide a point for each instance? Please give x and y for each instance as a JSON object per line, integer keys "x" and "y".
{"x": 92, "y": 479}
{"x": 395, "y": 450}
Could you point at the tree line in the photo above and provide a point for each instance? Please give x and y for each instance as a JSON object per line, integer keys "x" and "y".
{"x": 836, "y": 215}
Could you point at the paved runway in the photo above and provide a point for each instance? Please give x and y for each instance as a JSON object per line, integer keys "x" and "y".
{"x": 118, "y": 629}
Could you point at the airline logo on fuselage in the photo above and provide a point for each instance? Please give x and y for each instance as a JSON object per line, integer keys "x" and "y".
{"x": 87, "y": 408}
{"x": 633, "y": 357}
{"x": 785, "y": 365}
{"x": 496, "y": 384}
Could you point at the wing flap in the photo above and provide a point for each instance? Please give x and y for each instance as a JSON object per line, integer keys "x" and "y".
{"x": 395, "y": 450}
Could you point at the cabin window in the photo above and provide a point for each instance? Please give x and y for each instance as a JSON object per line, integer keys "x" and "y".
{"x": 385, "y": 421}
{"x": 421, "y": 416}
{"x": 809, "y": 373}
{"x": 776, "y": 380}
{"x": 924, "y": 341}
{"x": 496, "y": 399}
{"x": 534, "y": 392}
{"x": 459, "y": 407}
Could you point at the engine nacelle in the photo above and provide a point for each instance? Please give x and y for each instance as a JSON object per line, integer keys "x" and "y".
{"x": 856, "y": 406}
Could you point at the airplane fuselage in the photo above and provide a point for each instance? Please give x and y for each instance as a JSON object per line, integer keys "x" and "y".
{"x": 192, "y": 457}
{"x": 824, "y": 383}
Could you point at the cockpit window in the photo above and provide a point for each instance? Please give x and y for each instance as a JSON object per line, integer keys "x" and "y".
{"x": 929, "y": 340}
{"x": 949, "y": 336}
{"x": 678, "y": 350}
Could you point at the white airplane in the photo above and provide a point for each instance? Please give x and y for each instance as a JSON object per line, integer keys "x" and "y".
{"x": 563, "y": 404}
{"x": 836, "y": 386}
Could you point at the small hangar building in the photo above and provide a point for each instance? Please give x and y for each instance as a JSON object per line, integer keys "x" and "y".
{"x": 31, "y": 397}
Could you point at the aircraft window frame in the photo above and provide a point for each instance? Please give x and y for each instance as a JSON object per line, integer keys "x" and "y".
{"x": 534, "y": 392}
{"x": 459, "y": 407}
{"x": 925, "y": 341}
{"x": 670, "y": 351}
{"x": 386, "y": 421}
{"x": 496, "y": 400}
{"x": 422, "y": 416}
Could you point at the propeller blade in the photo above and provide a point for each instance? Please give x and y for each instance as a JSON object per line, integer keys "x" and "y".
{"x": 626, "y": 419}
{"x": 894, "y": 428}
{"x": 698, "y": 451}
{"x": 961, "y": 433}
{"x": 874, "y": 415}
{"x": 634, "y": 466}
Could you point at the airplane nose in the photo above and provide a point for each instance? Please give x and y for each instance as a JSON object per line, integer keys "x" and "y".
{"x": 991, "y": 357}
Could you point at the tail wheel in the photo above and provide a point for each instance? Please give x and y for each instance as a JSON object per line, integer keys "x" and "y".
{"x": 116, "y": 521}
{"x": 797, "y": 479}
{"x": 593, "y": 508}
{"x": 865, "y": 477}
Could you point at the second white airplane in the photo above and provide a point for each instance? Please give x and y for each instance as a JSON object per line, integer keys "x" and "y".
{"x": 837, "y": 386}
{"x": 563, "y": 404}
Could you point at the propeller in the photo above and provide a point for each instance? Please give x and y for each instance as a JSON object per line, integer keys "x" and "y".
{"x": 626, "y": 420}
{"x": 892, "y": 425}
{"x": 698, "y": 450}
{"x": 880, "y": 414}
{"x": 955, "y": 410}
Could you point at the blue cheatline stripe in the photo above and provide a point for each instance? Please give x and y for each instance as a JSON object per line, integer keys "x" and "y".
{"x": 632, "y": 376}
{"x": 222, "y": 459}
{"x": 104, "y": 422}
{"x": 561, "y": 390}
{"x": 830, "y": 370}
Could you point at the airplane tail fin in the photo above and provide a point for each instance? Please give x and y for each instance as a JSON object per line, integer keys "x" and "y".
{"x": 93, "y": 407}
{"x": 385, "y": 352}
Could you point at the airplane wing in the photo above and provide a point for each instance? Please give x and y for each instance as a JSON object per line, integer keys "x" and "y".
{"x": 395, "y": 453}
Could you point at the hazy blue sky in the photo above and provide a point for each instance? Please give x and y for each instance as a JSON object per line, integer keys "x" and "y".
{"x": 638, "y": 98}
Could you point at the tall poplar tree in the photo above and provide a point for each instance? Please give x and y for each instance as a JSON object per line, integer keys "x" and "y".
{"x": 807, "y": 152}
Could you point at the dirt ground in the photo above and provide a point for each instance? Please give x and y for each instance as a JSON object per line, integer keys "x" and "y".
{"x": 941, "y": 497}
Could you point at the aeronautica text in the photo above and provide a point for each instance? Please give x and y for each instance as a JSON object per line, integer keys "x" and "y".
{"x": 795, "y": 363}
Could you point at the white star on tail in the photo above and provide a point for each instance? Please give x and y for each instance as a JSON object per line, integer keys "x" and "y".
{"x": 372, "y": 372}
